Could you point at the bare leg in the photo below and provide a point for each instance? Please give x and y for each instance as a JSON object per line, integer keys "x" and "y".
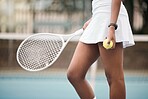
{"x": 113, "y": 64}
{"x": 84, "y": 56}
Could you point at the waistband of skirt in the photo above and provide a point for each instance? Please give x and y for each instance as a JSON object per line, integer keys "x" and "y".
{"x": 102, "y": 2}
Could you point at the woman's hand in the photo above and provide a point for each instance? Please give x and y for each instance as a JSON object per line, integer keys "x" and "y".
{"x": 115, "y": 8}
{"x": 86, "y": 24}
{"x": 111, "y": 36}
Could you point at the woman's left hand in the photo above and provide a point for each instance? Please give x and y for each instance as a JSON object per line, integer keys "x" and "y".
{"x": 111, "y": 36}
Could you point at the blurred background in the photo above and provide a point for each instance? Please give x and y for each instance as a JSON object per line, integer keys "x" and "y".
{"x": 21, "y": 18}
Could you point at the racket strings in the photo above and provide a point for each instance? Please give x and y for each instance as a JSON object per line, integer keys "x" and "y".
{"x": 39, "y": 51}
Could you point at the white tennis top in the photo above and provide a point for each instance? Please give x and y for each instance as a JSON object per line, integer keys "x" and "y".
{"x": 97, "y": 29}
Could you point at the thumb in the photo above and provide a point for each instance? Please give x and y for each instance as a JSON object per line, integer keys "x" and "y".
{"x": 108, "y": 40}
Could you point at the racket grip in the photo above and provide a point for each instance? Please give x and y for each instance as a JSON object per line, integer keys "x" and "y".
{"x": 79, "y": 32}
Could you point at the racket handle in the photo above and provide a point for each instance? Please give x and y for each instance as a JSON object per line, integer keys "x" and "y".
{"x": 79, "y": 32}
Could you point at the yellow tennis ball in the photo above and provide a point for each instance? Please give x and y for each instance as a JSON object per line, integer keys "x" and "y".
{"x": 106, "y": 45}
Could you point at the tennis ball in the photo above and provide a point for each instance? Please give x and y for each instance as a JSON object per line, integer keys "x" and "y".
{"x": 107, "y": 45}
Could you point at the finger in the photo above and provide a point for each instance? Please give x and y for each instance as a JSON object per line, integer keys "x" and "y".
{"x": 108, "y": 40}
{"x": 84, "y": 27}
{"x": 114, "y": 44}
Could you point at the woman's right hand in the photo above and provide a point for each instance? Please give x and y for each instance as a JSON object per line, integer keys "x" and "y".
{"x": 86, "y": 24}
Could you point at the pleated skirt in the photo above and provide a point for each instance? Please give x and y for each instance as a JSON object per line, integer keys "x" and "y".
{"x": 97, "y": 29}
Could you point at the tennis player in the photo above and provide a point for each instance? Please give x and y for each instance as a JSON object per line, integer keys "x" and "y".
{"x": 109, "y": 19}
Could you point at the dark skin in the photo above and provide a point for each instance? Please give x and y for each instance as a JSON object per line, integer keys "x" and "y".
{"x": 86, "y": 54}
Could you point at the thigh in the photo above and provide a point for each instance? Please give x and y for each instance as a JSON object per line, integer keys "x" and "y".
{"x": 84, "y": 56}
{"x": 112, "y": 61}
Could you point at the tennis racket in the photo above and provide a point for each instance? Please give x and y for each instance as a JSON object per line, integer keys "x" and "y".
{"x": 41, "y": 50}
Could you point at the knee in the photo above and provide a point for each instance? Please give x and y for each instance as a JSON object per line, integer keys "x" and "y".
{"x": 73, "y": 76}
{"x": 115, "y": 79}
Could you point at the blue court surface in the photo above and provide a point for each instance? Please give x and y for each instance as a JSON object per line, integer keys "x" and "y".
{"x": 58, "y": 87}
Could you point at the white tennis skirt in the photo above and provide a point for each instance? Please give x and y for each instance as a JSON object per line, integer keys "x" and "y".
{"x": 97, "y": 29}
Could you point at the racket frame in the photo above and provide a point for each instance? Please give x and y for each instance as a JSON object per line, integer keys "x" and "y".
{"x": 64, "y": 38}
